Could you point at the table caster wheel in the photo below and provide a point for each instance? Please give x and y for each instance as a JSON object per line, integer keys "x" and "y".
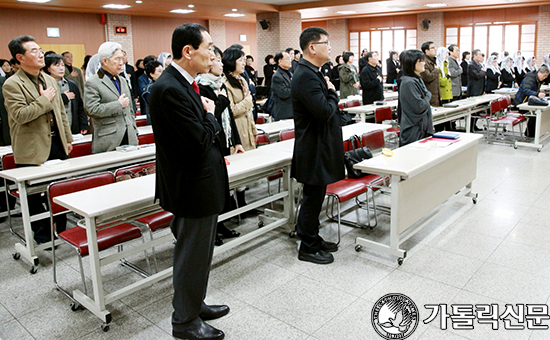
{"x": 76, "y": 306}
{"x": 515, "y": 147}
{"x": 105, "y": 327}
{"x": 218, "y": 242}
{"x": 400, "y": 261}
{"x": 33, "y": 270}
{"x": 292, "y": 234}
{"x": 474, "y": 200}
{"x": 16, "y": 256}
{"x": 539, "y": 149}
{"x": 358, "y": 247}
{"x": 260, "y": 224}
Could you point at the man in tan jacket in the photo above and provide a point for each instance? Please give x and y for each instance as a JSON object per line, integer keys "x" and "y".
{"x": 38, "y": 123}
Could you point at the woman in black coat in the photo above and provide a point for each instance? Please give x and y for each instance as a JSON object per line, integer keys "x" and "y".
{"x": 493, "y": 74}
{"x": 269, "y": 69}
{"x": 211, "y": 86}
{"x": 507, "y": 76}
{"x": 392, "y": 68}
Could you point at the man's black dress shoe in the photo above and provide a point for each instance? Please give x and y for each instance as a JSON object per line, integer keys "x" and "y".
{"x": 201, "y": 331}
{"x": 320, "y": 257}
{"x": 213, "y": 312}
{"x": 330, "y": 247}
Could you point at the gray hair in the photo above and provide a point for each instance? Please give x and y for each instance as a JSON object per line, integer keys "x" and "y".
{"x": 107, "y": 49}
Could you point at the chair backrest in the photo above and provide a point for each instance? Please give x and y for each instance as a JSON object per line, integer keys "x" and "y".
{"x": 508, "y": 99}
{"x": 148, "y": 138}
{"x": 8, "y": 162}
{"x": 69, "y": 186}
{"x": 374, "y": 139}
{"x": 133, "y": 168}
{"x": 382, "y": 113}
{"x": 495, "y": 106}
{"x": 286, "y": 134}
{"x": 260, "y": 120}
{"x": 262, "y": 139}
{"x": 503, "y": 103}
{"x": 394, "y": 88}
{"x": 141, "y": 122}
{"x": 348, "y": 145}
{"x": 81, "y": 149}
{"x": 341, "y": 106}
{"x": 353, "y": 103}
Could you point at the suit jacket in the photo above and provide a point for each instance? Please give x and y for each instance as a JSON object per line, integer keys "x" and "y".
{"x": 391, "y": 69}
{"x": 282, "y": 99}
{"x": 476, "y": 79}
{"x": 430, "y": 76}
{"x": 464, "y": 77}
{"x": 27, "y": 116}
{"x": 373, "y": 88}
{"x": 5, "y": 133}
{"x": 191, "y": 177}
{"x": 492, "y": 80}
{"x": 79, "y": 79}
{"x": 109, "y": 119}
{"x": 456, "y": 76}
{"x": 318, "y": 157}
{"x": 79, "y": 118}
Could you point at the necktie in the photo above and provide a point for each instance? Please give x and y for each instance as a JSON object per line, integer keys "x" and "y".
{"x": 117, "y": 85}
{"x": 196, "y": 87}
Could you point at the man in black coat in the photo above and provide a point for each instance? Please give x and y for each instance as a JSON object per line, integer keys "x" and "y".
{"x": 371, "y": 79}
{"x": 318, "y": 157}
{"x": 191, "y": 177}
{"x": 476, "y": 75}
{"x": 280, "y": 84}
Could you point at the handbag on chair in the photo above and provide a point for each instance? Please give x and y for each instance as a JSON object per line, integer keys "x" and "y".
{"x": 356, "y": 154}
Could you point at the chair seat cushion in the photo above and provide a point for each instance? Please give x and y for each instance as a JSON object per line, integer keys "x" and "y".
{"x": 158, "y": 220}
{"x": 14, "y": 193}
{"x": 106, "y": 238}
{"x": 349, "y": 188}
{"x": 394, "y": 130}
{"x": 514, "y": 120}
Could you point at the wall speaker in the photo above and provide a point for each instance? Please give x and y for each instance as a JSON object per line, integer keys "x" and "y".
{"x": 264, "y": 24}
{"x": 426, "y": 24}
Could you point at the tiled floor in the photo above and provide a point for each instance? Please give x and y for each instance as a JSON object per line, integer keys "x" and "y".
{"x": 492, "y": 252}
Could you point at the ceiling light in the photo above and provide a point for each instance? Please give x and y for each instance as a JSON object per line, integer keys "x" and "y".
{"x": 116, "y": 6}
{"x": 139, "y": 1}
{"x": 182, "y": 11}
{"x": 37, "y": 1}
{"x": 435, "y": 5}
{"x": 234, "y": 10}
{"x": 234, "y": 15}
{"x": 325, "y": 9}
{"x": 346, "y": 12}
{"x": 513, "y": 0}
{"x": 191, "y": 6}
{"x": 397, "y": 28}
{"x": 501, "y": 22}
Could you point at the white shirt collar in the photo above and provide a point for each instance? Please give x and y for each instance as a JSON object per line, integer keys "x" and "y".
{"x": 183, "y": 72}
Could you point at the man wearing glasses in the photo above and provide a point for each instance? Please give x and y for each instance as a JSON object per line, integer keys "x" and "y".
{"x": 39, "y": 127}
{"x": 318, "y": 157}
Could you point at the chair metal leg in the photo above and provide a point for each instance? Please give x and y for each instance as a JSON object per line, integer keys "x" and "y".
{"x": 154, "y": 253}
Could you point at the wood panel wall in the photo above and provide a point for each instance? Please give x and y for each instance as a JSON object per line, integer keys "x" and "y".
{"x": 363, "y": 24}
{"x": 492, "y": 15}
{"x": 321, "y": 23}
{"x": 152, "y": 35}
{"x": 74, "y": 28}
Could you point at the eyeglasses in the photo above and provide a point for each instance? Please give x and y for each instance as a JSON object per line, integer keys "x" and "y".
{"x": 321, "y": 42}
{"x": 36, "y": 51}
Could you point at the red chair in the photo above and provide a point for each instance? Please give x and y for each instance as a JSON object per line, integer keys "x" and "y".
{"x": 394, "y": 88}
{"x": 148, "y": 138}
{"x": 133, "y": 169}
{"x": 141, "y": 122}
{"x": 262, "y": 139}
{"x": 374, "y": 139}
{"x": 81, "y": 149}
{"x": 341, "y": 106}
{"x": 260, "y": 120}
{"x": 353, "y": 103}
{"x": 286, "y": 134}
{"x": 108, "y": 235}
{"x": 385, "y": 114}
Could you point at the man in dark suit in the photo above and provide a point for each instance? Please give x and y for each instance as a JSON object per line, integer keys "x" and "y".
{"x": 318, "y": 157}
{"x": 476, "y": 75}
{"x": 371, "y": 79}
{"x": 280, "y": 83}
{"x": 192, "y": 180}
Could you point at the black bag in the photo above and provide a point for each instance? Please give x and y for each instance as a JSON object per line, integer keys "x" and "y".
{"x": 536, "y": 101}
{"x": 268, "y": 105}
{"x": 346, "y": 118}
{"x": 358, "y": 154}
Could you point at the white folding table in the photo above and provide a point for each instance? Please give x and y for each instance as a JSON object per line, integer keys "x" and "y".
{"x": 542, "y": 125}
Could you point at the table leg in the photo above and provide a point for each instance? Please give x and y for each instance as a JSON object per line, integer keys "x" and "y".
{"x": 27, "y": 250}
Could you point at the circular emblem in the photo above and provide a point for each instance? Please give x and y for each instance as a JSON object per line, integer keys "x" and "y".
{"x": 394, "y": 316}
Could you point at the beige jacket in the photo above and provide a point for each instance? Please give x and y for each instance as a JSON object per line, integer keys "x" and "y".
{"x": 242, "y": 106}
{"x": 28, "y": 120}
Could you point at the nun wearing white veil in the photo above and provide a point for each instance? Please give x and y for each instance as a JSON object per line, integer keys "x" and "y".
{"x": 518, "y": 69}
{"x": 164, "y": 59}
{"x": 530, "y": 65}
{"x": 493, "y": 74}
{"x": 93, "y": 66}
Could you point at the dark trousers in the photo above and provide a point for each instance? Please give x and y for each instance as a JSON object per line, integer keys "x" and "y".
{"x": 307, "y": 227}
{"x": 192, "y": 259}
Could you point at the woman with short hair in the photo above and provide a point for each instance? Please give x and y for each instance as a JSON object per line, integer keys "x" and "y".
{"x": 414, "y": 112}
{"x": 349, "y": 77}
